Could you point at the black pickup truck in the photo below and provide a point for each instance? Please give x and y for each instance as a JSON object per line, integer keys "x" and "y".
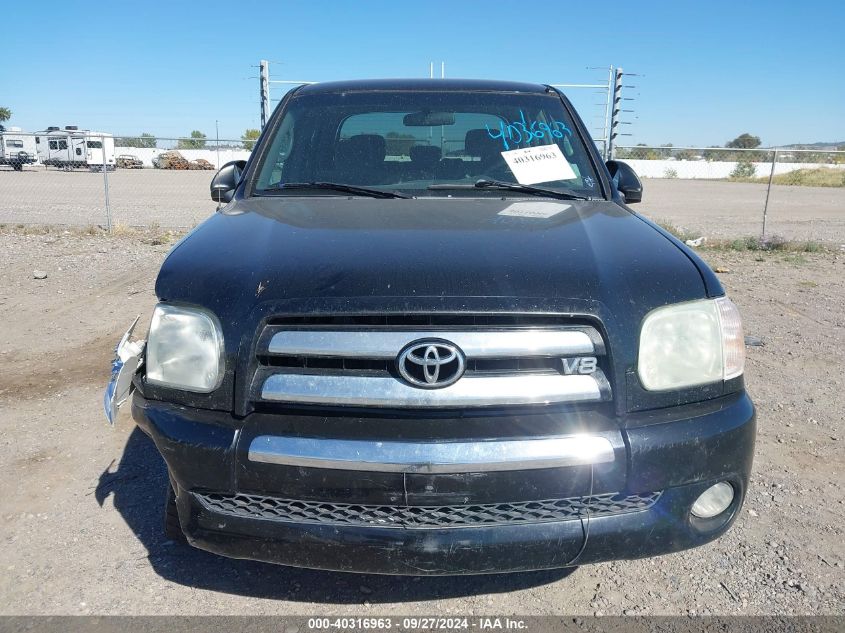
{"x": 425, "y": 334}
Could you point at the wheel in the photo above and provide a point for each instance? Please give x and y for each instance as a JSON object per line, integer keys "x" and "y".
{"x": 172, "y": 528}
{"x": 17, "y": 166}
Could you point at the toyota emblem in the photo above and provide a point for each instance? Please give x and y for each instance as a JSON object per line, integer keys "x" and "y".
{"x": 431, "y": 364}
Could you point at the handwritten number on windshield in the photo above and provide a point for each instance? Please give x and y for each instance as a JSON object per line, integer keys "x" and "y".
{"x": 519, "y": 132}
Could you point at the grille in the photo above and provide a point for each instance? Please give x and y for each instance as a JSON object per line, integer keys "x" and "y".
{"x": 509, "y": 360}
{"x": 507, "y": 365}
{"x": 434, "y": 320}
{"x": 523, "y": 512}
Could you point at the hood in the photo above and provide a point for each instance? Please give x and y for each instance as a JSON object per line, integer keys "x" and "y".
{"x": 351, "y": 249}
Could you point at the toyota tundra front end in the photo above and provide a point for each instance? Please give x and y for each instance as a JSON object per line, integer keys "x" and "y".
{"x": 426, "y": 335}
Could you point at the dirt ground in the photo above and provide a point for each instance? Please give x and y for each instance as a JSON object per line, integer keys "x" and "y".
{"x": 727, "y": 210}
{"x": 713, "y": 208}
{"x": 81, "y": 504}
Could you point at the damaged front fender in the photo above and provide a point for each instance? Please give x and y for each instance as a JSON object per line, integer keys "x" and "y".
{"x": 128, "y": 359}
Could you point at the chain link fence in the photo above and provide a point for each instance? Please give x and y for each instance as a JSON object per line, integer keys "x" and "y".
{"x": 727, "y": 193}
{"x": 79, "y": 178}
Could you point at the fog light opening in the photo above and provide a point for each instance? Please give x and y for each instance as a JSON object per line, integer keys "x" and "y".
{"x": 713, "y": 501}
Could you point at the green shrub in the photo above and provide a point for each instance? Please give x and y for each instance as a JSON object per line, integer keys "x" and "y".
{"x": 776, "y": 243}
{"x": 744, "y": 169}
{"x": 817, "y": 177}
{"x": 753, "y": 244}
{"x": 678, "y": 231}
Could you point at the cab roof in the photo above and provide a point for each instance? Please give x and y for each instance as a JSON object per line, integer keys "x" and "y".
{"x": 456, "y": 85}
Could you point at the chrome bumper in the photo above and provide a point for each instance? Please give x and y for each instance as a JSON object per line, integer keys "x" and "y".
{"x": 128, "y": 359}
{"x": 431, "y": 457}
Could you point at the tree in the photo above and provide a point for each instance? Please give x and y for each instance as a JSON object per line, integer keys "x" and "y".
{"x": 197, "y": 141}
{"x": 744, "y": 141}
{"x": 715, "y": 153}
{"x": 249, "y": 136}
{"x": 5, "y": 114}
{"x": 145, "y": 140}
{"x": 399, "y": 144}
{"x": 811, "y": 157}
{"x": 643, "y": 152}
{"x": 665, "y": 153}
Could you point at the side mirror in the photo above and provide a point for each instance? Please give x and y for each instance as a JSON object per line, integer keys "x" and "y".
{"x": 626, "y": 181}
{"x": 226, "y": 180}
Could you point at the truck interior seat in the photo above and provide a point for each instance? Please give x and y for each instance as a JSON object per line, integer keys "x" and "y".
{"x": 424, "y": 161}
{"x": 479, "y": 144}
{"x": 360, "y": 159}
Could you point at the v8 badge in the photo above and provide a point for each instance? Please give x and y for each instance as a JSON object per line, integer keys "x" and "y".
{"x": 582, "y": 365}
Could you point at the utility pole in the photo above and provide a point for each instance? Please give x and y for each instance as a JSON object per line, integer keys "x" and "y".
{"x": 615, "y": 111}
{"x": 106, "y": 186}
{"x": 608, "y": 95}
{"x": 217, "y": 137}
{"x": 264, "y": 81}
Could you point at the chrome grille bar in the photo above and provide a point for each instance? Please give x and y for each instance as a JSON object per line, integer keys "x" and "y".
{"x": 387, "y": 344}
{"x": 431, "y": 457}
{"x": 469, "y": 391}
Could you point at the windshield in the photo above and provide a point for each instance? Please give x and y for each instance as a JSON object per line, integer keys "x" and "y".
{"x": 421, "y": 142}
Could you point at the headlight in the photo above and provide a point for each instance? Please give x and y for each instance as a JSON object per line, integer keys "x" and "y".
{"x": 689, "y": 344}
{"x": 184, "y": 349}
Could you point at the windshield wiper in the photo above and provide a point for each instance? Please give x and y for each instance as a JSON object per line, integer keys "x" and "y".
{"x": 336, "y": 186}
{"x": 562, "y": 194}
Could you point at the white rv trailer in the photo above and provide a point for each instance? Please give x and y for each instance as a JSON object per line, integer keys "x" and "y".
{"x": 71, "y": 147}
{"x": 16, "y": 148}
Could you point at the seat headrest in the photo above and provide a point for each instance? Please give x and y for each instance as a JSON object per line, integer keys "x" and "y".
{"x": 425, "y": 154}
{"x": 365, "y": 148}
{"x": 480, "y": 143}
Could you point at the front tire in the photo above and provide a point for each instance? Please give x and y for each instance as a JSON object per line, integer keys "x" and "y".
{"x": 172, "y": 527}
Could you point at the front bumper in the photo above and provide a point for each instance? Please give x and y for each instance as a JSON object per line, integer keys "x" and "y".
{"x": 679, "y": 452}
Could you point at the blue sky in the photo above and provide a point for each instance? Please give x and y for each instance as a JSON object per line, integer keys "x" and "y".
{"x": 712, "y": 70}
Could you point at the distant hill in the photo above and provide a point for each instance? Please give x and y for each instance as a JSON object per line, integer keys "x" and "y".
{"x": 820, "y": 146}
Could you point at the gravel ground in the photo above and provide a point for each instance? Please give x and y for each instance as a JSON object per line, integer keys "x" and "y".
{"x": 81, "y": 508}
{"x": 180, "y": 198}
{"x": 136, "y": 197}
{"x": 721, "y": 209}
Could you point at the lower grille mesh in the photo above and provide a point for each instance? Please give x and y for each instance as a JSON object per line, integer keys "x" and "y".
{"x": 288, "y": 510}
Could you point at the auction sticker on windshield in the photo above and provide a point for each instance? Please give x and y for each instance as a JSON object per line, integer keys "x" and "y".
{"x": 544, "y": 163}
